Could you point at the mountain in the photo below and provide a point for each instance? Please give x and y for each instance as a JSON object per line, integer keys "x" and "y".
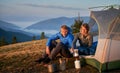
{"x": 8, "y": 30}
{"x": 8, "y": 26}
{"x": 13, "y": 28}
{"x": 8, "y": 35}
{"x": 55, "y": 23}
{"x": 51, "y": 23}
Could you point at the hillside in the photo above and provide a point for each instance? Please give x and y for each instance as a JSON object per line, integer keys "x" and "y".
{"x": 8, "y": 30}
{"x": 8, "y": 35}
{"x": 20, "y": 57}
{"x": 8, "y": 26}
{"x": 50, "y": 24}
{"x": 55, "y": 23}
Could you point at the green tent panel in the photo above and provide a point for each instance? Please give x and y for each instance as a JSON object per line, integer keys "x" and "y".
{"x": 103, "y": 66}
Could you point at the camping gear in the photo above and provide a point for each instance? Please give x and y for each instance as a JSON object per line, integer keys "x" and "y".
{"x": 77, "y": 64}
{"x": 77, "y": 61}
{"x": 76, "y": 53}
{"x": 52, "y": 68}
{"x": 62, "y": 64}
{"x": 107, "y": 55}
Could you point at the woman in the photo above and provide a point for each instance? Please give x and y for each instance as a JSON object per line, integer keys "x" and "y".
{"x": 85, "y": 40}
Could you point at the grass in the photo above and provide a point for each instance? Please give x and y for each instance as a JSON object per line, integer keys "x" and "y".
{"x": 20, "y": 57}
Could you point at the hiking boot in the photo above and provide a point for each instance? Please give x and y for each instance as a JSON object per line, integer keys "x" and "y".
{"x": 40, "y": 60}
{"x": 47, "y": 60}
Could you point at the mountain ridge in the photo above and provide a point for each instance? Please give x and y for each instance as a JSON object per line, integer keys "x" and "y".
{"x": 8, "y": 35}
{"x": 8, "y": 26}
{"x": 55, "y": 23}
{"x": 9, "y": 30}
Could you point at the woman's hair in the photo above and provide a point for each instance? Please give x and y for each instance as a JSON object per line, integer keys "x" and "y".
{"x": 86, "y": 26}
{"x": 64, "y": 27}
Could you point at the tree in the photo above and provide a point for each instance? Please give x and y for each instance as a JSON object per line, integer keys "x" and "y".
{"x": 34, "y": 38}
{"x": 14, "y": 40}
{"x": 42, "y": 36}
{"x": 77, "y": 24}
{"x": 3, "y": 41}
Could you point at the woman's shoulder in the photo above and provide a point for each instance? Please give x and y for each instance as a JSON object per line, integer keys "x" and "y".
{"x": 78, "y": 34}
{"x": 89, "y": 35}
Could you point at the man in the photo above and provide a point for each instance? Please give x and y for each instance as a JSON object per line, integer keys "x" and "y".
{"x": 85, "y": 40}
{"x": 63, "y": 47}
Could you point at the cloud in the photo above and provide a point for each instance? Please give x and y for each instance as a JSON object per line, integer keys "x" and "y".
{"x": 53, "y": 7}
{"x": 2, "y": 6}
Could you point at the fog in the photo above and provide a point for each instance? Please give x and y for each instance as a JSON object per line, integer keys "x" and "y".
{"x": 38, "y": 32}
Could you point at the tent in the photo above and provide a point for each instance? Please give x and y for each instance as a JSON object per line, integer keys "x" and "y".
{"x": 107, "y": 55}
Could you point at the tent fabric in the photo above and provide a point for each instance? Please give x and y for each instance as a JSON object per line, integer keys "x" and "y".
{"x": 114, "y": 29}
{"x": 108, "y": 47}
{"x": 107, "y": 51}
{"x": 104, "y": 20}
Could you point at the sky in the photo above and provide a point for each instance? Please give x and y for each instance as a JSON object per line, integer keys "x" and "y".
{"x": 26, "y": 12}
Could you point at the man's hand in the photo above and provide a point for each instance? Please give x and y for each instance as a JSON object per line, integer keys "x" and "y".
{"x": 72, "y": 50}
{"x": 47, "y": 50}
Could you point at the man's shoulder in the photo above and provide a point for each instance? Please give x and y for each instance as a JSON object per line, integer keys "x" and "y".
{"x": 56, "y": 34}
{"x": 70, "y": 35}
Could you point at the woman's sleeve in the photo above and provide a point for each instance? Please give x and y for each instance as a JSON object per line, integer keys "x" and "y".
{"x": 90, "y": 38}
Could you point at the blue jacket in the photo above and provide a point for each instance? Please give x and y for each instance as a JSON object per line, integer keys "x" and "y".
{"x": 65, "y": 40}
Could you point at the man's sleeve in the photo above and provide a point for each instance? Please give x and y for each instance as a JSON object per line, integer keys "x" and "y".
{"x": 53, "y": 37}
{"x": 71, "y": 40}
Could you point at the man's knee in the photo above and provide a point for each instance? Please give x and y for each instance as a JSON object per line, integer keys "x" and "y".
{"x": 59, "y": 44}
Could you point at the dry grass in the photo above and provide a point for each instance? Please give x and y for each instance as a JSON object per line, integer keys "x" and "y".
{"x": 20, "y": 57}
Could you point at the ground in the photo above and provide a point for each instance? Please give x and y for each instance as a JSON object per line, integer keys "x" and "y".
{"x": 20, "y": 58}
